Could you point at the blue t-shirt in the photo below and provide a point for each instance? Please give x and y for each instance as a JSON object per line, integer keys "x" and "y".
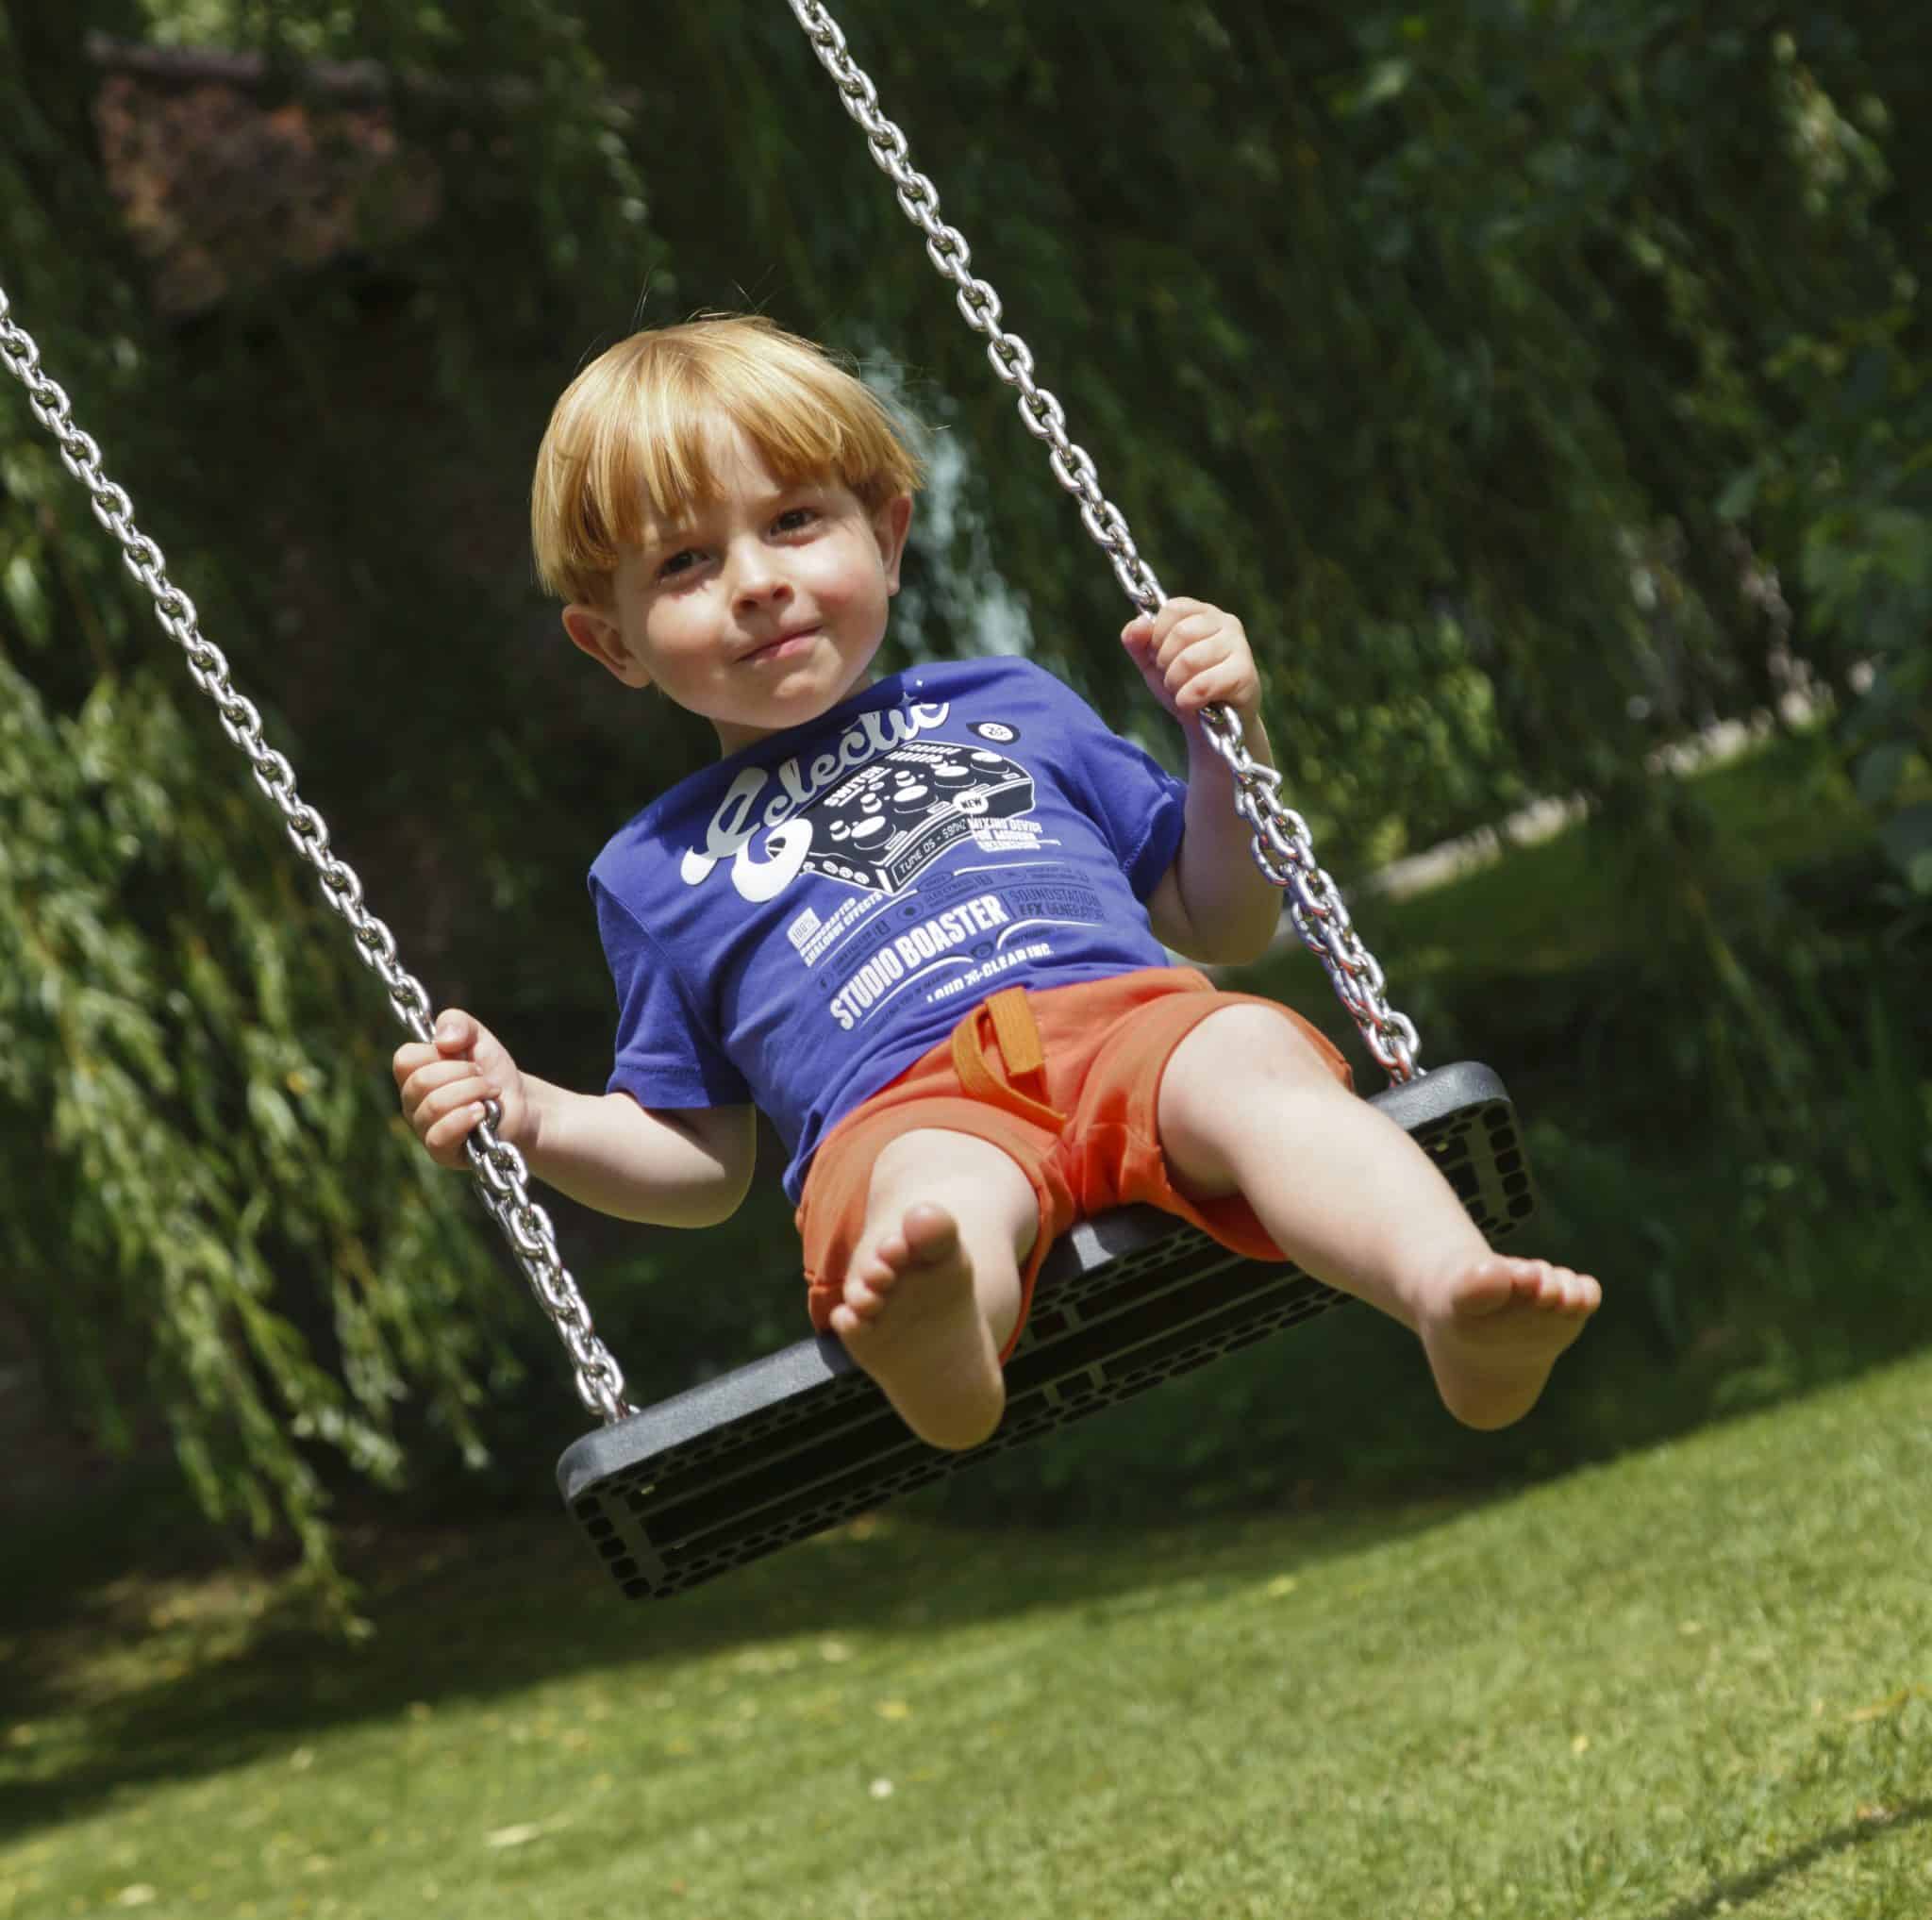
{"x": 794, "y": 926}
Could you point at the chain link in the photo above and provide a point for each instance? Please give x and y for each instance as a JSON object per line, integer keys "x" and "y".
{"x": 1280, "y": 838}
{"x": 501, "y": 1185}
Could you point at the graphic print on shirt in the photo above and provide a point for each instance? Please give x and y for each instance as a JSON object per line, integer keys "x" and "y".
{"x": 878, "y": 830}
{"x": 885, "y": 825}
{"x": 883, "y": 828}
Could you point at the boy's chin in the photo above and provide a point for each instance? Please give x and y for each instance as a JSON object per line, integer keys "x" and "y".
{"x": 779, "y": 711}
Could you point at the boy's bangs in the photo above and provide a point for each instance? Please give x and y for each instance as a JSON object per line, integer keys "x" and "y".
{"x": 660, "y": 462}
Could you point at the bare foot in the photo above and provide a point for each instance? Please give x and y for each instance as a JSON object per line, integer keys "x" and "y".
{"x": 911, "y": 1320}
{"x": 1497, "y": 1332}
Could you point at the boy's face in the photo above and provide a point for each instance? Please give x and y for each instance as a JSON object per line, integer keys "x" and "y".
{"x": 760, "y": 609}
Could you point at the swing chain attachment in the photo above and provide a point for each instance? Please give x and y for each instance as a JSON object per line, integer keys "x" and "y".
{"x": 500, "y": 1167}
{"x": 1280, "y": 838}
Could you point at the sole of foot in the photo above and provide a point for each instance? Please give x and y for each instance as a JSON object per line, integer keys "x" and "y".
{"x": 911, "y": 1319}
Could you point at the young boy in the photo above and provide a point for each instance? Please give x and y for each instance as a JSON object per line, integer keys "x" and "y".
{"x": 920, "y": 920}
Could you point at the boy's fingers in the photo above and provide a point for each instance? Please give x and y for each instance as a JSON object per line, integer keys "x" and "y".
{"x": 1173, "y": 613}
{"x": 447, "y": 1083}
{"x": 457, "y": 1098}
{"x": 1217, "y": 684}
{"x": 434, "y": 1089}
{"x": 446, "y": 1139}
{"x": 455, "y": 1032}
{"x": 1180, "y": 606}
{"x": 1197, "y": 657}
{"x": 1180, "y": 638}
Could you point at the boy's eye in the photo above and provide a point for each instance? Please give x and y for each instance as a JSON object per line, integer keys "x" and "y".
{"x": 793, "y": 518}
{"x": 678, "y": 563}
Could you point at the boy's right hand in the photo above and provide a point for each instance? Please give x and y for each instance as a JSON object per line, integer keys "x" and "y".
{"x": 443, "y": 1087}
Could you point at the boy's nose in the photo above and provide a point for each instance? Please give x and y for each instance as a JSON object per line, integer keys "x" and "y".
{"x": 756, "y": 582}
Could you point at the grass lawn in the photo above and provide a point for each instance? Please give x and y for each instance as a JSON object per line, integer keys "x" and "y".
{"x": 1689, "y": 1683}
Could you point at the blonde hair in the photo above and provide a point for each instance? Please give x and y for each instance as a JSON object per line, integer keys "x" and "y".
{"x": 630, "y": 438}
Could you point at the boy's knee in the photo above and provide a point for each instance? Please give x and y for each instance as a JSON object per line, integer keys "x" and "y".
{"x": 972, "y": 1178}
{"x": 904, "y": 1165}
{"x": 1245, "y": 1044}
{"x": 1218, "y": 1084}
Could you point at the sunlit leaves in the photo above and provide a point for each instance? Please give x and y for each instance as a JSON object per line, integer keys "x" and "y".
{"x": 182, "y": 1185}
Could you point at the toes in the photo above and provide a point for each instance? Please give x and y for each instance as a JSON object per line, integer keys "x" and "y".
{"x": 928, "y": 1233}
{"x": 1569, "y": 1292}
{"x": 1539, "y": 1284}
{"x": 926, "y": 1239}
{"x": 1525, "y": 1282}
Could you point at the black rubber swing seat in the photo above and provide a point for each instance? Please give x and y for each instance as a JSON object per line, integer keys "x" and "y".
{"x": 796, "y": 1442}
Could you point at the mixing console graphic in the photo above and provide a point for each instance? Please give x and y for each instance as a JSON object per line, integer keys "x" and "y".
{"x": 881, "y": 827}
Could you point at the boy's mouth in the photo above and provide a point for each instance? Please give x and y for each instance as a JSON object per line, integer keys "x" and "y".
{"x": 787, "y": 644}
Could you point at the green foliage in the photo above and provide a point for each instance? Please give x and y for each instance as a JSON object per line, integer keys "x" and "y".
{"x": 1845, "y": 493}
{"x": 218, "y": 1228}
{"x": 203, "y": 1216}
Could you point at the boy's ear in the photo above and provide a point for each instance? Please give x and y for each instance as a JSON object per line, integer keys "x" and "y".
{"x": 598, "y": 635}
{"x": 890, "y": 525}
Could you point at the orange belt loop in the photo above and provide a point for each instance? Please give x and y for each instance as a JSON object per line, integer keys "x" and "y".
{"x": 1018, "y": 1034}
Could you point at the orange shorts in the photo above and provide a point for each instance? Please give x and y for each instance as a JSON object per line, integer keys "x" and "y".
{"x": 1066, "y": 1082}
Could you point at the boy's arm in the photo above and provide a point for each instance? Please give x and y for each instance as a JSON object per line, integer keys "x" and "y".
{"x": 682, "y": 1167}
{"x": 1213, "y": 904}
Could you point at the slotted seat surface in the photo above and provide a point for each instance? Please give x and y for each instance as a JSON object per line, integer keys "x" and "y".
{"x": 796, "y": 1442}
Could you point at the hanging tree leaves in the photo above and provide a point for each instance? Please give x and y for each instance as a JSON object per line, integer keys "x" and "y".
{"x": 214, "y": 1215}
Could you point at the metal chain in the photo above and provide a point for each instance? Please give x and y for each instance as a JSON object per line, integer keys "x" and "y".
{"x": 1280, "y": 838}
{"x": 499, "y": 1166}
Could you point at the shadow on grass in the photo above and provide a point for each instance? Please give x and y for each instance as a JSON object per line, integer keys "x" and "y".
{"x": 482, "y": 1605}
{"x": 1729, "y": 1895}
{"x": 510, "y": 1605}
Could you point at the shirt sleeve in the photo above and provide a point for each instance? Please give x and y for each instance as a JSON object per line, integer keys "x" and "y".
{"x": 665, "y": 1053}
{"x": 1137, "y": 804}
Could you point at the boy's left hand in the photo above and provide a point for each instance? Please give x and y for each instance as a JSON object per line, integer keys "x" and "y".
{"x": 1191, "y": 654}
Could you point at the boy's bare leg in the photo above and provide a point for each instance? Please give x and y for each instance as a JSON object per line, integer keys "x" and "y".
{"x": 933, "y": 1286}
{"x": 1247, "y": 1106}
